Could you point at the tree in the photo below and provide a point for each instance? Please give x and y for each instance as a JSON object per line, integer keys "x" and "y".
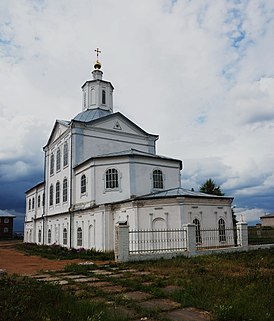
{"x": 210, "y": 187}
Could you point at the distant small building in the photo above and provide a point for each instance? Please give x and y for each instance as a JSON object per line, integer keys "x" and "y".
{"x": 6, "y": 225}
{"x": 267, "y": 220}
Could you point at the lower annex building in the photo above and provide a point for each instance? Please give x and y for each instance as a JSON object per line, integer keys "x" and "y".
{"x": 100, "y": 168}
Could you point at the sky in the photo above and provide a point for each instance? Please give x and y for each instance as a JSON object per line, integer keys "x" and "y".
{"x": 200, "y": 74}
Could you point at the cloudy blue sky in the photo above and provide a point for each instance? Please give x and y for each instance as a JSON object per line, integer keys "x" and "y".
{"x": 198, "y": 73}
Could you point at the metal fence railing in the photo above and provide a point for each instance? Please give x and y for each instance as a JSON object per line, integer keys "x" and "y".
{"x": 216, "y": 238}
{"x": 151, "y": 241}
{"x": 260, "y": 235}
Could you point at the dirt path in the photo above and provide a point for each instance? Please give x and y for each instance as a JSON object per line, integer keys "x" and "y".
{"x": 14, "y": 261}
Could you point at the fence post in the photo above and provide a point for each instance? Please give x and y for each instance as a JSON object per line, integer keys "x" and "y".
{"x": 242, "y": 235}
{"x": 121, "y": 243}
{"x": 190, "y": 238}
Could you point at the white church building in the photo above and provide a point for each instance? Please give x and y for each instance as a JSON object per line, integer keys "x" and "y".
{"x": 100, "y": 168}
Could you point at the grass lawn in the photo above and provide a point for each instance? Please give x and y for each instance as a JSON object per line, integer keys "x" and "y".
{"x": 232, "y": 287}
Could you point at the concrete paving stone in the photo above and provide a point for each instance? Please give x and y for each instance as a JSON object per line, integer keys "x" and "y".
{"x": 75, "y": 276}
{"x": 50, "y": 279}
{"x": 85, "y": 280}
{"x": 160, "y": 304}
{"x": 148, "y": 283}
{"x": 113, "y": 289}
{"x": 98, "y": 299}
{"x": 137, "y": 296}
{"x": 86, "y": 263}
{"x": 100, "y": 284}
{"x": 41, "y": 276}
{"x": 62, "y": 282}
{"x": 188, "y": 314}
{"x": 101, "y": 272}
{"x": 142, "y": 273}
{"x": 171, "y": 288}
{"x": 126, "y": 312}
{"x": 116, "y": 275}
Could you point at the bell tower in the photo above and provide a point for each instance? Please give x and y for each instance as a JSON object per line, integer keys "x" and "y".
{"x": 97, "y": 93}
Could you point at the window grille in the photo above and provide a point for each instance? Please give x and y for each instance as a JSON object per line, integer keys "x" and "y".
{"x": 79, "y": 236}
{"x": 57, "y": 194}
{"x": 65, "y": 190}
{"x": 198, "y": 230}
{"x": 222, "y": 235}
{"x": 83, "y": 184}
{"x": 51, "y": 195}
{"x": 65, "y": 236}
{"x": 51, "y": 164}
{"x": 58, "y": 160}
{"x": 65, "y": 156}
{"x": 158, "y": 179}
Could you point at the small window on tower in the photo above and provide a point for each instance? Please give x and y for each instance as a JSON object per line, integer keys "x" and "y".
{"x": 85, "y": 99}
{"x": 103, "y": 97}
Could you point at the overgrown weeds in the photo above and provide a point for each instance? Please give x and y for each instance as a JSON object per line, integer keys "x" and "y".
{"x": 24, "y": 299}
{"x": 62, "y": 253}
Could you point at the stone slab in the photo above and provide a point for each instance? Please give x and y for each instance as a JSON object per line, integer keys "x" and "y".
{"x": 101, "y": 272}
{"x": 170, "y": 288}
{"x": 85, "y": 280}
{"x": 75, "y": 276}
{"x": 188, "y": 314}
{"x": 113, "y": 289}
{"x": 137, "y": 296}
{"x": 160, "y": 305}
{"x": 100, "y": 284}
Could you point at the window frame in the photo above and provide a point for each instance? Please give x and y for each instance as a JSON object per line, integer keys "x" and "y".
{"x": 157, "y": 179}
{"x": 49, "y": 236}
{"x": 39, "y": 201}
{"x": 79, "y": 236}
{"x": 6, "y": 220}
{"x": 6, "y": 230}
{"x": 58, "y": 160}
{"x": 103, "y": 97}
{"x": 65, "y": 236}
{"x": 51, "y": 165}
{"x": 83, "y": 184}
{"x": 39, "y": 236}
{"x": 221, "y": 230}
{"x": 57, "y": 193}
{"x": 65, "y": 154}
{"x": 65, "y": 190}
{"x": 51, "y": 192}
{"x": 112, "y": 179}
{"x": 198, "y": 236}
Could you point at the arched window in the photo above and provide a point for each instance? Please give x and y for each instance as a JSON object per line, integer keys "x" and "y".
{"x": 65, "y": 190}
{"x": 112, "y": 178}
{"x": 158, "y": 179}
{"x": 39, "y": 236}
{"x": 51, "y": 195}
{"x": 65, "y": 236}
{"x": 79, "y": 237}
{"x": 6, "y": 230}
{"x": 49, "y": 236}
{"x": 83, "y": 184}
{"x": 43, "y": 200}
{"x": 57, "y": 193}
{"x": 6, "y": 220}
{"x": 198, "y": 230}
{"x": 58, "y": 160}
{"x": 39, "y": 201}
{"x": 103, "y": 97}
{"x": 29, "y": 204}
{"x": 221, "y": 225}
{"x": 51, "y": 171}
{"x": 65, "y": 154}
{"x": 32, "y": 203}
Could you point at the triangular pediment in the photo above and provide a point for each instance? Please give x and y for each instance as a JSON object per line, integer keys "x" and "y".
{"x": 117, "y": 122}
{"x": 59, "y": 128}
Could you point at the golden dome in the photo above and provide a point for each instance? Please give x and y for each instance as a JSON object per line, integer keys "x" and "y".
{"x": 97, "y": 65}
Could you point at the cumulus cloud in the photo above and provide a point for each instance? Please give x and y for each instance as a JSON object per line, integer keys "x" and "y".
{"x": 199, "y": 73}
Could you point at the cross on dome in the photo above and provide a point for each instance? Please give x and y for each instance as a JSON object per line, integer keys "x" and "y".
{"x": 97, "y": 64}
